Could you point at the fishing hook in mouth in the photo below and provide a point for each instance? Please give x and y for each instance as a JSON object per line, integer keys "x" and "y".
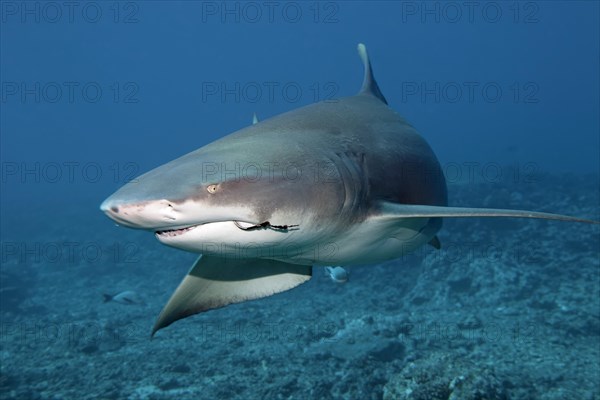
{"x": 265, "y": 225}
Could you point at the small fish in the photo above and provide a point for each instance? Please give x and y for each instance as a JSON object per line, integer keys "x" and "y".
{"x": 126, "y": 297}
{"x": 337, "y": 274}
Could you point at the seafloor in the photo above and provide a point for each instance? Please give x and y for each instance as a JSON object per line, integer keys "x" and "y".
{"x": 507, "y": 309}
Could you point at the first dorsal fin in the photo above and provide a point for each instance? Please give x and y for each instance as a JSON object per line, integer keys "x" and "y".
{"x": 369, "y": 85}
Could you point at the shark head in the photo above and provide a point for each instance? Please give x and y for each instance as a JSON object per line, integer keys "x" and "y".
{"x": 229, "y": 194}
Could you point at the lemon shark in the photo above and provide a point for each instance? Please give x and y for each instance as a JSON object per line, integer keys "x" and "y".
{"x": 333, "y": 183}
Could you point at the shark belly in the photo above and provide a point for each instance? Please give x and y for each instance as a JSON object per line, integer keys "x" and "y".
{"x": 374, "y": 241}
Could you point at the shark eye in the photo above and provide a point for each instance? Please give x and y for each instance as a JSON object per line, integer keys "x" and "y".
{"x": 211, "y": 189}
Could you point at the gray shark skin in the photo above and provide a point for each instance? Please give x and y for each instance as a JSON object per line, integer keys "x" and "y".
{"x": 334, "y": 183}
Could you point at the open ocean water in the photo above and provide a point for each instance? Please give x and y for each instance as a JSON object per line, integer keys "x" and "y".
{"x": 506, "y": 93}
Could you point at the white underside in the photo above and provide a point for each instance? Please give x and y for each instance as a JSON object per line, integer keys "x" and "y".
{"x": 372, "y": 241}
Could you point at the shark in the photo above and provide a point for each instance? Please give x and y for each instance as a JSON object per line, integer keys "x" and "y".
{"x": 342, "y": 182}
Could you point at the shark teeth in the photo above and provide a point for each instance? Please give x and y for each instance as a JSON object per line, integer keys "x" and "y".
{"x": 174, "y": 232}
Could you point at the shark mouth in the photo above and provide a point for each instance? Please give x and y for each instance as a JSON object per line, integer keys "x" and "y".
{"x": 175, "y": 232}
{"x": 244, "y": 226}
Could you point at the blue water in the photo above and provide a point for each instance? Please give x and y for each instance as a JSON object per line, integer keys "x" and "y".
{"x": 96, "y": 93}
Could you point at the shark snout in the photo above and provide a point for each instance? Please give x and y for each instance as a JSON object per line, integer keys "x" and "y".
{"x": 141, "y": 215}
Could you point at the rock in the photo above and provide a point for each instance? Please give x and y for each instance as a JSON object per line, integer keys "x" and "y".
{"x": 170, "y": 384}
{"x": 444, "y": 378}
{"x": 89, "y": 349}
{"x": 181, "y": 368}
{"x": 392, "y": 351}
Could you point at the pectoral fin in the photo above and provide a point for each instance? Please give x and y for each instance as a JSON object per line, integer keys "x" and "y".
{"x": 215, "y": 282}
{"x": 393, "y": 210}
